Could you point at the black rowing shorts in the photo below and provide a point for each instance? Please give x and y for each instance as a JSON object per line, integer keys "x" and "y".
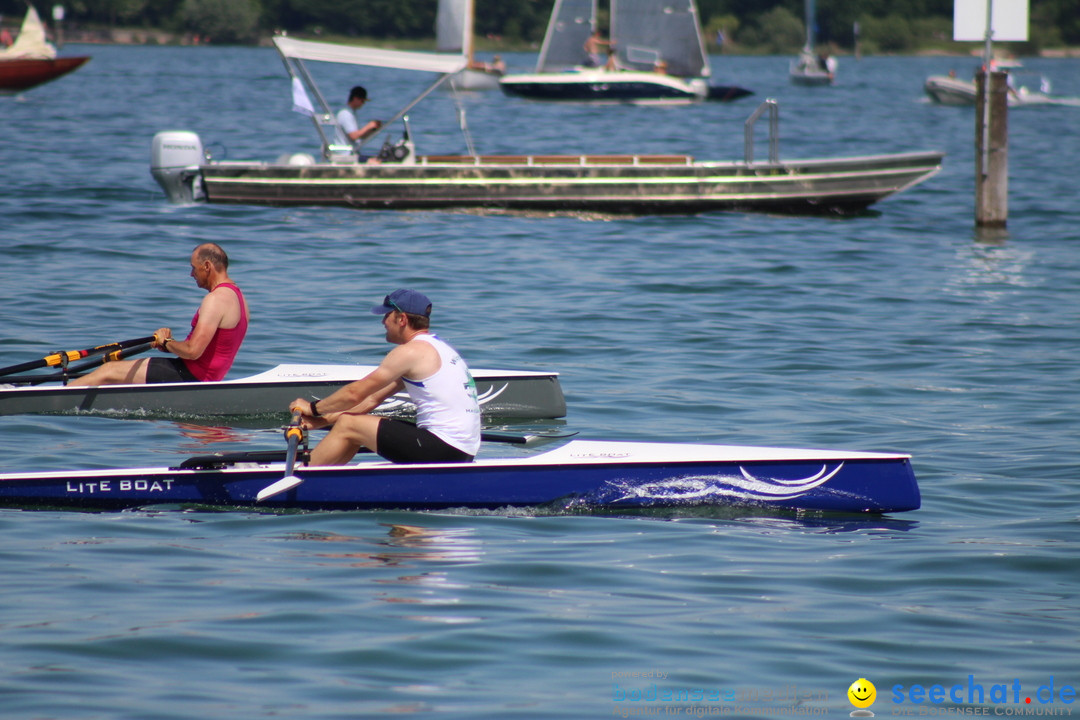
{"x": 404, "y": 442}
{"x": 168, "y": 370}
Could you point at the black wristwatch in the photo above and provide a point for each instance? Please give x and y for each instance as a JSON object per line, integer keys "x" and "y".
{"x": 314, "y": 410}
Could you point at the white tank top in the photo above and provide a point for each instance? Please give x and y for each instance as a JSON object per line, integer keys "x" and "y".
{"x": 446, "y": 402}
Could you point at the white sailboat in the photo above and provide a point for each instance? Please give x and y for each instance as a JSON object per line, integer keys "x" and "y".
{"x": 811, "y": 68}
{"x": 454, "y": 34}
{"x": 658, "y": 56}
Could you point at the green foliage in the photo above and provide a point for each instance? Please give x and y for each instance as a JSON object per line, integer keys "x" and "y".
{"x": 729, "y": 24}
{"x": 223, "y": 21}
{"x": 776, "y": 32}
{"x": 891, "y": 34}
{"x": 764, "y": 26}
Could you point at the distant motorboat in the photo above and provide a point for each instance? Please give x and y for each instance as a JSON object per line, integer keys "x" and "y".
{"x": 32, "y": 60}
{"x": 951, "y": 90}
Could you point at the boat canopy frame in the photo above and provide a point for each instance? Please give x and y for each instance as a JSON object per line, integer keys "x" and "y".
{"x": 294, "y": 52}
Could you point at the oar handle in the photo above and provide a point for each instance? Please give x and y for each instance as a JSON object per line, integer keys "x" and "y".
{"x": 293, "y": 435}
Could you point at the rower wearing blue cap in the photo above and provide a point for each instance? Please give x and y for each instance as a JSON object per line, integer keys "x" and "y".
{"x": 438, "y": 381}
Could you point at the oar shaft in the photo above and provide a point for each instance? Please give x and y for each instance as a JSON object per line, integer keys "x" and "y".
{"x": 65, "y": 356}
{"x": 74, "y": 371}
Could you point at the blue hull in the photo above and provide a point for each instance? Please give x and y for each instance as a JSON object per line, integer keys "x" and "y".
{"x": 588, "y": 476}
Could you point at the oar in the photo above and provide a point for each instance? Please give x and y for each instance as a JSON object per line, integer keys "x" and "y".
{"x": 293, "y": 433}
{"x": 73, "y": 371}
{"x": 65, "y": 356}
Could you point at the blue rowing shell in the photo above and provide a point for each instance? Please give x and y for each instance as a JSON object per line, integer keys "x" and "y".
{"x": 581, "y": 474}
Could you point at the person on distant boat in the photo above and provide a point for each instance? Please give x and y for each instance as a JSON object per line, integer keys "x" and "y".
{"x": 594, "y": 50}
{"x": 827, "y": 63}
{"x": 612, "y": 63}
{"x": 438, "y": 381}
{"x": 660, "y": 67}
{"x": 208, "y": 351}
{"x": 346, "y": 118}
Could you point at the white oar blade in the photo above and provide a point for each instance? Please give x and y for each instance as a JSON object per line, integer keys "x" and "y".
{"x": 283, "y": 485}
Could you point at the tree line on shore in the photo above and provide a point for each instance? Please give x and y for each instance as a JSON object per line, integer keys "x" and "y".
{"x": 742, "y": 26}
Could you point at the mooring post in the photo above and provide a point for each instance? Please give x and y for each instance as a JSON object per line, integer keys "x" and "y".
{"x": 991, "y": 149}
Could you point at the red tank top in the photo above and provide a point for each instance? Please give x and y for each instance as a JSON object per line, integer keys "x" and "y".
{"x": 218, "y": 356}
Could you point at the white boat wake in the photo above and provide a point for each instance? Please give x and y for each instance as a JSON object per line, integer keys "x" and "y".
{"x": 697, "y": 488}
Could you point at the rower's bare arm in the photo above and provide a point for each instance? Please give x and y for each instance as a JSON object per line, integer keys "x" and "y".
{"x": 212, "y": 314}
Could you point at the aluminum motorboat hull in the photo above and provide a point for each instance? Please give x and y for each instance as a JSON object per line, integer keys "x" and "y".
{"x": 502, "y": 393}
{"x": 617, "y": 184}
{"x": 581, "y": 475}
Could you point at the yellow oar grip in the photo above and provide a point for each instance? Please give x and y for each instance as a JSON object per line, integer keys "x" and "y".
{"x": 58, "y": 358}
{"x": 294, "y": 432}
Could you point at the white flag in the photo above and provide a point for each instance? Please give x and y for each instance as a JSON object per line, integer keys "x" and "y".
{"x": 300, "y": 101}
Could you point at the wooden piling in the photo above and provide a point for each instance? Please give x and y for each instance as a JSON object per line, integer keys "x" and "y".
{"x": 991, "y": 150}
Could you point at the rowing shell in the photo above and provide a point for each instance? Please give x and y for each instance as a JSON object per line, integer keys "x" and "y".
{"x": 502, "y": 393}
{"x": 588, "y": 475}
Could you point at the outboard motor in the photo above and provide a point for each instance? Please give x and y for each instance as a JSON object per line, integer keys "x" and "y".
{"x": 175, "y": 157}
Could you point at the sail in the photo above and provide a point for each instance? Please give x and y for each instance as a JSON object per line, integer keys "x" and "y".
{"x": 374, "y": 57}
{"x": 571, "y": 24}
{"x": 646, "y": 32}
{"x": 454, "y": 27}
{"x": 31, "y": 42}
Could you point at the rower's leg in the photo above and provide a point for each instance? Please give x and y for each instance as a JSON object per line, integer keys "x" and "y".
{"x": 117, "y": 372}
{"x": 349, "y": 433}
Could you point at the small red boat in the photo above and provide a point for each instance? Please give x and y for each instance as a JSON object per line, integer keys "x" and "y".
{"x": 19, "y": 75}
{"x": 32, "y": 60}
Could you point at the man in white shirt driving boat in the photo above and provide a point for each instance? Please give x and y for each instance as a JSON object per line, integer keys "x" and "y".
{"x": 438, "y": 381}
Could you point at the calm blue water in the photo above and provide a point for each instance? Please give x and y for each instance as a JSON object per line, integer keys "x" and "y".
{"x": 903, "y": 330}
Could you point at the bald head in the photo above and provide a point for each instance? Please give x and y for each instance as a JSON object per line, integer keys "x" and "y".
{"x": 213, "y": 253}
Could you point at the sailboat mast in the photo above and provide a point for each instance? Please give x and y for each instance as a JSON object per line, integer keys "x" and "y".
{"x": 467, "y": 30}
{"x": 810, "y": 26}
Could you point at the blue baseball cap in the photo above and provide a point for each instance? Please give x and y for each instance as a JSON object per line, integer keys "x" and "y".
{"x": 406, "y": 301}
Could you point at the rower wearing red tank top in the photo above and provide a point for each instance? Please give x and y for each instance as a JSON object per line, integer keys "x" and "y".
{"x": 208, "y": 351}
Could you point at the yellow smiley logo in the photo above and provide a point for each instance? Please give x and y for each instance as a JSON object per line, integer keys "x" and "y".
{"x": 862, "y": 693}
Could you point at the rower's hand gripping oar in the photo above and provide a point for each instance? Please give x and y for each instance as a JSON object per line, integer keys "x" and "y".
{"x": 294, "y": 434}
{"x": 63, "y": 357}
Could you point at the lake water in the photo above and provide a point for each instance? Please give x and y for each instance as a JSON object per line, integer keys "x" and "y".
{"x": 904, "y": 329}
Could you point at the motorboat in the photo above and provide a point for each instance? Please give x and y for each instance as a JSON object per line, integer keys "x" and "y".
{"x": 628, "y": 184}
{"x": 951, "y": 90}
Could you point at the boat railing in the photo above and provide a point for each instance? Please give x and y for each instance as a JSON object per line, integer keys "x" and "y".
{"x": 633, "y": 160}
{"x": 774, "y": 131}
